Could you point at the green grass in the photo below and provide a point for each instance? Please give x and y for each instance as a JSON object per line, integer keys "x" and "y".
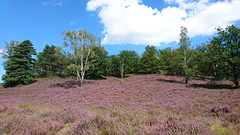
{"x": 221, "y": 130}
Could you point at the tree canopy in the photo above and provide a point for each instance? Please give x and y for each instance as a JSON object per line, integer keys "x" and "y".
{"x": 19, "y": 67}
{"x": 79, "y": 46}
{"x": 84, "y": 57}
{"x": 227, "y": 57}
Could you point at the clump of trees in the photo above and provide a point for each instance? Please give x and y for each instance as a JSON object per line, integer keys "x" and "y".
{"x": 84, "y": 57}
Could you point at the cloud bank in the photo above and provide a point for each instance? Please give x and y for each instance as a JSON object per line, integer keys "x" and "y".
{"x": 130, "y": 21}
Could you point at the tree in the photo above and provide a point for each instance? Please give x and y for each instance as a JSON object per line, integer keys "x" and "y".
{"x": 175, "y": 63}
{"x": 99, "y": 63}
{"x": 9, "y": 49}
{"x": 208, "y": 59}
{"x": 184, "y": 46}
{"x": 62, "y": 61}
{"x": 128, "y": 62}
{"x": 149, "y": 60}
{"x": 114, "y": 64}
{"x": 80, "y": 44}
{"x": 165, "y": 57}
{"x": 228, "y": 42}
{"x": 19, "y": 67}
{"x": 46, "y": 63}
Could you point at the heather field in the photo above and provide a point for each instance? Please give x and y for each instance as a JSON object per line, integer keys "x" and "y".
{"x": 142, "y": 104}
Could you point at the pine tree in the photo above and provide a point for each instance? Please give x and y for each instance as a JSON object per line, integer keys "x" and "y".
{"x": 149, "y": 60}
{"x": 46, "y": 63}
{"x": 19, "y": 67}
{"x": 98, "y": 63}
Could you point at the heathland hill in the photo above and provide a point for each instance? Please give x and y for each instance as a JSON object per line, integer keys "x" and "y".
{"x": 141, "y": 104}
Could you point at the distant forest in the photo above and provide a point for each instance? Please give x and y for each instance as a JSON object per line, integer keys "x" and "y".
{"x": 83, "y": 57}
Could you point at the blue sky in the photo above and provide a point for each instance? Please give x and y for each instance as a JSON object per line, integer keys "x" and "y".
{"x": 121, "y": 24}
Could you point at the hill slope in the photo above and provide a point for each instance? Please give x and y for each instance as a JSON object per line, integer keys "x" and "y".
{"x": 143, "y": 104}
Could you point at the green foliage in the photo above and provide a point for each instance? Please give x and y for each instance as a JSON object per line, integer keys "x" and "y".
{"x": 85, "y": 57}
{"x": 19, "y": 67}
{"x": 114, "y": 66}
{"x": 130, "y": 60}
{"x": 120, "y": 81}
{"x": 149, "y": 61}
{"x": 98, "y": 63}
{"x": 79, "y": 46}
{"x": 204, "y": 66}
{"x": 221, "y": 130}
{"x": 176, "y": 64}
{"x": 184, "y": 47}
{"x": 9, "y": 49}
{"x": 46, "y": 63}
{"x": 164, "y": 57}
{"x": 62, "y": 61}
{"x": 221, "y": 57}
{"x": 229, "y": 43}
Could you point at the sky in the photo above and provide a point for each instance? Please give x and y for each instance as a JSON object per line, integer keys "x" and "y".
{"x": 121, "y": 24}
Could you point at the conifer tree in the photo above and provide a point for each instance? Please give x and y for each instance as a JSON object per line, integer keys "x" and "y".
{"x": 149, "y": 60}
{"x": 46, "y": 64}
{"x": 98, "y": 63}
{"x": 19, "y": 67}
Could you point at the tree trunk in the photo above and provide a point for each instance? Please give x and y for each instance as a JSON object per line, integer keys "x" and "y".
{"x": 81, "y": 58}
{"x": 81, "y": 81}
{"x": 236, "y": 81}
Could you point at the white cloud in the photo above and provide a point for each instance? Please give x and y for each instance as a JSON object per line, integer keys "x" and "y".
{"x": 130, "y": 21}
{"x": 53, "y": 3}
{"x": 2, "y": 51}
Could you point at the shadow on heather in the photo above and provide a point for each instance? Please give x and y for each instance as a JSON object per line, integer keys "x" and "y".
{"x": 202, "y": 85}
{"x": 170, "y": 81}
{"x": 211, "y": 86}
{"x": 69, "y": 84}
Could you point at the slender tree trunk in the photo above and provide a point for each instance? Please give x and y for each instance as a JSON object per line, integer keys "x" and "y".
{"x": 235, "y": 77}
{"x": 78, "y": 75}
{"x": 236, "y": 82}
{"x": 77, "y": 70}
{"x": 81, "y": 58}
{"x": 81, "y": 81}
{"x": 82, "y": 73}
{"x": 214, "y": 70}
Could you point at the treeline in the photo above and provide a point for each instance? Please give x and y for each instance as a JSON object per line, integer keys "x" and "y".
{"x": 83, "y": 57}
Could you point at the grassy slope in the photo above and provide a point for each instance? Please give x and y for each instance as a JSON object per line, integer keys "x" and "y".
{"x": 143, "y": 104}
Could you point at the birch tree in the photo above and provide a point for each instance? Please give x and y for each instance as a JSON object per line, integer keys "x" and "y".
{"x": 184, "y": 46}
{"x": 79, "y": 46}
{"x": 122, "y": 70}
{"x": 9, "y": 49}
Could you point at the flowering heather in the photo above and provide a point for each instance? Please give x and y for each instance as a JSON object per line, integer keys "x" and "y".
{"x": 142, "y": 104}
